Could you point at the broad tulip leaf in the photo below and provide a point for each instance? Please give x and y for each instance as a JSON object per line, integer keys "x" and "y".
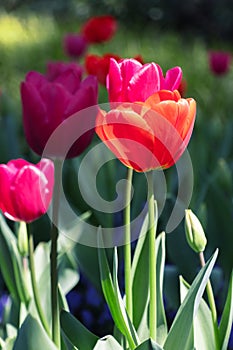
{"x": 203, "y": 330}
{"x": 149, "y": 344}
{"x": 107, "y": 343}
{"x": 182, "y": 326}
{"x": 113, "y": 299}
{"x": 11, "y": 263}
{"x": 32, "y": 336}
{"x": 76, "y": 332}
{"x": 227, "y": 317}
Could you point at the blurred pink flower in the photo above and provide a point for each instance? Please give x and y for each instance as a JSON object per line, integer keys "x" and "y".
{"x": 26, "y": 189}
{"x": 75, "y": 45}
{"x": 49, "y": 100}
{"x": 219, "y": 62}
{"x": 130, "y": 81}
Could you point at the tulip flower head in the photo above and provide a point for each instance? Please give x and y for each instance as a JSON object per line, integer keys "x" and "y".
{"x": 99, "y": 29}
{"x": 149, "y": 135}
{"x": 130, "y": 81}
{"x": 49, "y": 100}
{"x": 75, "y": 45}
{"x": 26, "y": 189}
{"x": 219, "y": 62}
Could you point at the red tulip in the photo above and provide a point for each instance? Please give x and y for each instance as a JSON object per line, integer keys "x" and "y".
{"x": 49, "y": 101}
{"x": 130, "y": 81}
{"x": 99, "y": 66}
{"x": 99, "y": 29}
{"x": 149, "y": 135}
{"x": 26, "y": 189}
{"x": 75, "y": 45}
{"x": 219, "y": 62}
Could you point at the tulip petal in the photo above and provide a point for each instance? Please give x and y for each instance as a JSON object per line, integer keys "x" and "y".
{"x": 6, "y": 205}
{"x": 128, "y": 137}
{"x": 172, "y": 79}
{"x": 26, "y": 193}
{"x": 144, "y": 83}
{"x": 36, "y": 79}
{"x": 70, "y": 79}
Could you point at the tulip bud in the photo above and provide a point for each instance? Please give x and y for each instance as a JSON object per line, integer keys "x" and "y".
{"x": 194, "y": 232}
{"x": 22, "y": 238}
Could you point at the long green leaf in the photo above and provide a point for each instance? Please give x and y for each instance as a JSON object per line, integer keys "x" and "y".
{"x": 11, "y": 263}
{"x": 76, "y": 332}
{"x": 160, "y": 265}
{"x": 149, "y": 344}
{"x": 107, "y": 343}
{"x": 179, "y": 333}
{"x": 227, "y": 317}
{"x": 32, "y": 336}
{"x": 115, "y": 303}
{"x": 203, "y": 332}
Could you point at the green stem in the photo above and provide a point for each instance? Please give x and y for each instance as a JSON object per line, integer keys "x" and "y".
{"x": 127, "y": 247}
{"x": 212, "y": 305}
{"x": 152, "y": 259}
{"x": 53, "y": 255}
{"x": 33, "y": 280}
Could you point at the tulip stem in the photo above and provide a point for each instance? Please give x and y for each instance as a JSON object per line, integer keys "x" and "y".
{"x": 33, "y": 281}
{"x": 127, "y": 246}
{"x": 152, "y": 258}
{"x": 212, "y": 305}
{"x": 53, "y": 254}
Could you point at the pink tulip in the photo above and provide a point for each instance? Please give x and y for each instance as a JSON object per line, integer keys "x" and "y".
{"x": 26, "y": 189}
{"x": 75, "y": 45}
{"x": 48, "y": 101}
{"x": 130, "y": 81}
{"x": 56, "y": 68}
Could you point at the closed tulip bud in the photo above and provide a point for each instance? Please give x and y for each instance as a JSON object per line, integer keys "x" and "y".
{"x": 194, "y": 232}
{"x": 22, "y": 239}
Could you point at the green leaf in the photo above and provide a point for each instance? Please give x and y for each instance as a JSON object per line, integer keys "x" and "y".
{"x": 203, "y": 335}
{"x": 107, "y": 343}
{"x": 140, "y": 277}
{"x": 32, "y": 336}
{"x": 114, "y": 300}
{"x": 76, "y": 332}
{"x": 11, "y": 263}
{"x": 149, "y": 344}
{"x": 227, "y": 317}
{"x": 181, "y": 329}
{"x": 160, "y": 265}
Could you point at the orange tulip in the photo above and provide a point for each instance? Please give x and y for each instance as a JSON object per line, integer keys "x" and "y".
{"x": 149, "y": 135}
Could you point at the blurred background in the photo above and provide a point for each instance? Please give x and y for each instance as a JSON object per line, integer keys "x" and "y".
{"x": 170, "y": 33}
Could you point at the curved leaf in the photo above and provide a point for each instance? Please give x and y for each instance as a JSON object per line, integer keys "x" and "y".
{"x": 149, "y": 344}
{"x": 227, "y": 317}
{"x": 32, "y": 336}
{"x": 107, "y": 343}
{"x": 182, "y": 326}
{"x": 76, "y": 332}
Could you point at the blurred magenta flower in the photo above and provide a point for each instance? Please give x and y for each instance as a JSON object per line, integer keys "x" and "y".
{"x": 56, "y": 68}
{"x": 219, "y": 62}
{"x": 75, "y": 45}
{"x": 49, "y": 100}
{"x": 99, "y": 29}
{"x": 130, "y": 81}
{"x": 26, "y": 189}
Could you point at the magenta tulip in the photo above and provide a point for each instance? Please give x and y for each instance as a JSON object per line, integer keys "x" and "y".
{"x": 26, "y": 189}
{"x": 219, "y": 62}
{"x": 131, "y": 81}
{"x": 56, "y": 68}
{"x": 48, "y": 101}
{"x": 75, "y": 45}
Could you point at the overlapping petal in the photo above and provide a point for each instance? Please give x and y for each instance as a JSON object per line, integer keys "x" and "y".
{"x": 149, "y": 135}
